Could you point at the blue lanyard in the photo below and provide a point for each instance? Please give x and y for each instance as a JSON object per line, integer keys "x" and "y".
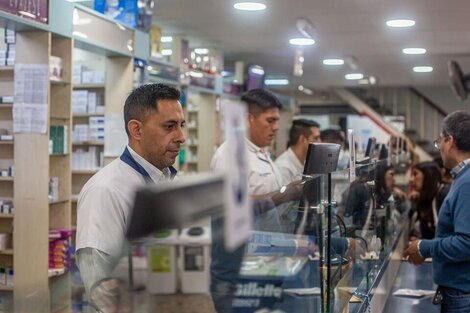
{"x": 127, "y": 158}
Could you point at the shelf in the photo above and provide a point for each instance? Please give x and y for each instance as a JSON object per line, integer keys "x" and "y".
{"x": 6, "y": 178}
{"x": 77, "y": 115}
{"x": 6, "y": 288}
{"x": 88, "y": 143}
{"x": 193, "y": 111}
{"x": 6, "y": 105}
{"x": 191, "y": 162}
{"x": 74, "y": 198}
{"x": 58, "y": 154}
{"x": 5, "y": 215}
{"x": 6, "y": 252}
{"x": 89, "y": 86}
{"x": 84, "y": 172}
{"x": 54, "y": 272}
{"x": 7, "y": 68}
{"x": 58, "y": 202}
{"x": 58, "y": 82}
{"x": 6, "y": 142}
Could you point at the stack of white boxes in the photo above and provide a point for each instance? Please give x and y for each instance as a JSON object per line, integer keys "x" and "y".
{"x": 94, "y": 131}
{"x": 7, "y": 47}
{"x": 87, "y": 160}
{"x": 87, "y": 102}
{"x": 81, "y": 75}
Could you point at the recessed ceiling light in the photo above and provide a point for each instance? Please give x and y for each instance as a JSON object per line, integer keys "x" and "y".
{"x": 167, "y": 52}
{"x": 276, "y": 82}
{"x": 400, "y": 23}
{"x": 301, "y": 88}
{"x": 354, "y": 76}
{"x": 414, "y": 51}
{"x": 166, "y": 39}
{"x": 201, "y": 50}
{"x": 333, "y": 61}
{"x": 250, "y": 6}
{"x": 422, "y": 69}
{"x": 302, "y": 41}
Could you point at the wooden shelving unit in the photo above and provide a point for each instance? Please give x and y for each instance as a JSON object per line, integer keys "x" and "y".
{"x": 201, "y": 135}
{"x": 35, "y": 214}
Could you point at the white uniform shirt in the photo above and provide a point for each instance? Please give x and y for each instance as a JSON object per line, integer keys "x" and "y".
{"x": 105, "y": 204}
{"x": 263, "y": 175}
{"x": 289, "y": 166}
{"x": 263, "y": 178}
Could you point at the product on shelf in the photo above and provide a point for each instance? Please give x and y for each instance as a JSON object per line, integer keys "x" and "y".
{"x": 54, "y": 189}
{"x": 59, "y": 249}
{"x": 87, "y": 160}
{"x": 58, "y": 143}
{"x": 55, "y": 67}
{"x": 7, "y": 47}
{"x": 81, "y": 75}
{"x": 87, "y": 102}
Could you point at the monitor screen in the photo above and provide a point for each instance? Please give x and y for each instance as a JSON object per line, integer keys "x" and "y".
{"x": 322, "y": 158}
{"x": 370, "y": 147}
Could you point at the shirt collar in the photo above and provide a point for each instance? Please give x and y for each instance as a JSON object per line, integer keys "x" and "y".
{"x": 152, "y": 170}
{"x": 254, "y": 147}
{"x": 457, "y": 169}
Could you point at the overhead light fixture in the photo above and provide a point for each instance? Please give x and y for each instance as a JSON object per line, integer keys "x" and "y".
{"x": 373, "y": 80}
{"x": 167, "y": 52}
{"x": 301, "y": 88}
{"x": 166, "y": 39}
{"x": 308, "y": 91}
{"x": 276, "y": 82}
{"x": 302, "y": 41}
{"x": 257, "y": 70}
{"x": 333, "y": 61}
{"x": 414, "y": 51}
{"x": 250, "y": 6}
{"x": 354, "y": 76}
{"x": 225, "y": 73}
{"x": 201, "y": 50}
{"x": 400, "y": 23}
{"x": 422, "y": 69}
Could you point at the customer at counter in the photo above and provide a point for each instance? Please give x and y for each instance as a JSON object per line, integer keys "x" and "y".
{"x": 450, "y": 250}
{"x": 428, "y": 194}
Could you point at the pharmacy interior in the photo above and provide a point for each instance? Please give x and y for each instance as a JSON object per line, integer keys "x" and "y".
{"x": 330, "y": 240}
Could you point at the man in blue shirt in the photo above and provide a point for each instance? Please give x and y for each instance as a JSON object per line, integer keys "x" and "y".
{"x": 450, "y": 250}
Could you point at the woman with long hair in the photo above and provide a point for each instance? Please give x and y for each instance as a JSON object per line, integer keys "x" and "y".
{"x": 428, "y": 194}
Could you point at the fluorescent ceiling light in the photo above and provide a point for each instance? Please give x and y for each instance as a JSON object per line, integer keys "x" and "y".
{"x": 167, "y": 52}
{"x": 308, "y": 91}
{"x": 250, "y": 6}
{"x": 302, "y": 41}
{"x": 257, "y": 70}
{"x": 333, "y": 61}
{"x": 354, "y": 76}
{"x": 276, "y": 82}
{"x": 201, "y": 50}
{"x": 301, "y": 88}
{"x": 414, "y": 51}
{"x": 166, "y": 39}
{"x": 422, "y": 69}
{"x": 400, "y": 23}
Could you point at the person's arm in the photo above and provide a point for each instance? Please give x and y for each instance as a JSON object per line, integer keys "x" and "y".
{"x": 94, "y": 265}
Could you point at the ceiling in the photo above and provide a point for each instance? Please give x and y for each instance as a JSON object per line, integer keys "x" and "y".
{"x": 344, "y": 28}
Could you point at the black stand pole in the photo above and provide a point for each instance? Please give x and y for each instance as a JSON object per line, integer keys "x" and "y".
{"x": 328, "y": 247}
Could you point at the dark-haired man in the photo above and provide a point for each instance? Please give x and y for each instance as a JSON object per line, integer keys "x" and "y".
{"x": 450, "y": 249}
{"x": 291, "y": 162}
{"x": 154, "y": 120}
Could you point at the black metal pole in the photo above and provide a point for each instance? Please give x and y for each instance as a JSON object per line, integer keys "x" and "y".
{"x": 328, "y": 247}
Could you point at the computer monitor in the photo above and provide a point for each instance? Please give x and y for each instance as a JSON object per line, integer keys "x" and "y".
{"x": 322, "y": 158}
{"x": 370, "y": 149}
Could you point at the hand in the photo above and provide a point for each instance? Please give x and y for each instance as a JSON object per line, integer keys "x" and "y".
{"x": 413, "y": 254}
{"x": 414, "y": 196}
{"x": 398, "y": 193}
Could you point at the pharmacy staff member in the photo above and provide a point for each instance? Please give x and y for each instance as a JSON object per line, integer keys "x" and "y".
{"x": 263, "y": 178}
{"x": 154, "y": 120}
{"x": 291, "y": 162}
